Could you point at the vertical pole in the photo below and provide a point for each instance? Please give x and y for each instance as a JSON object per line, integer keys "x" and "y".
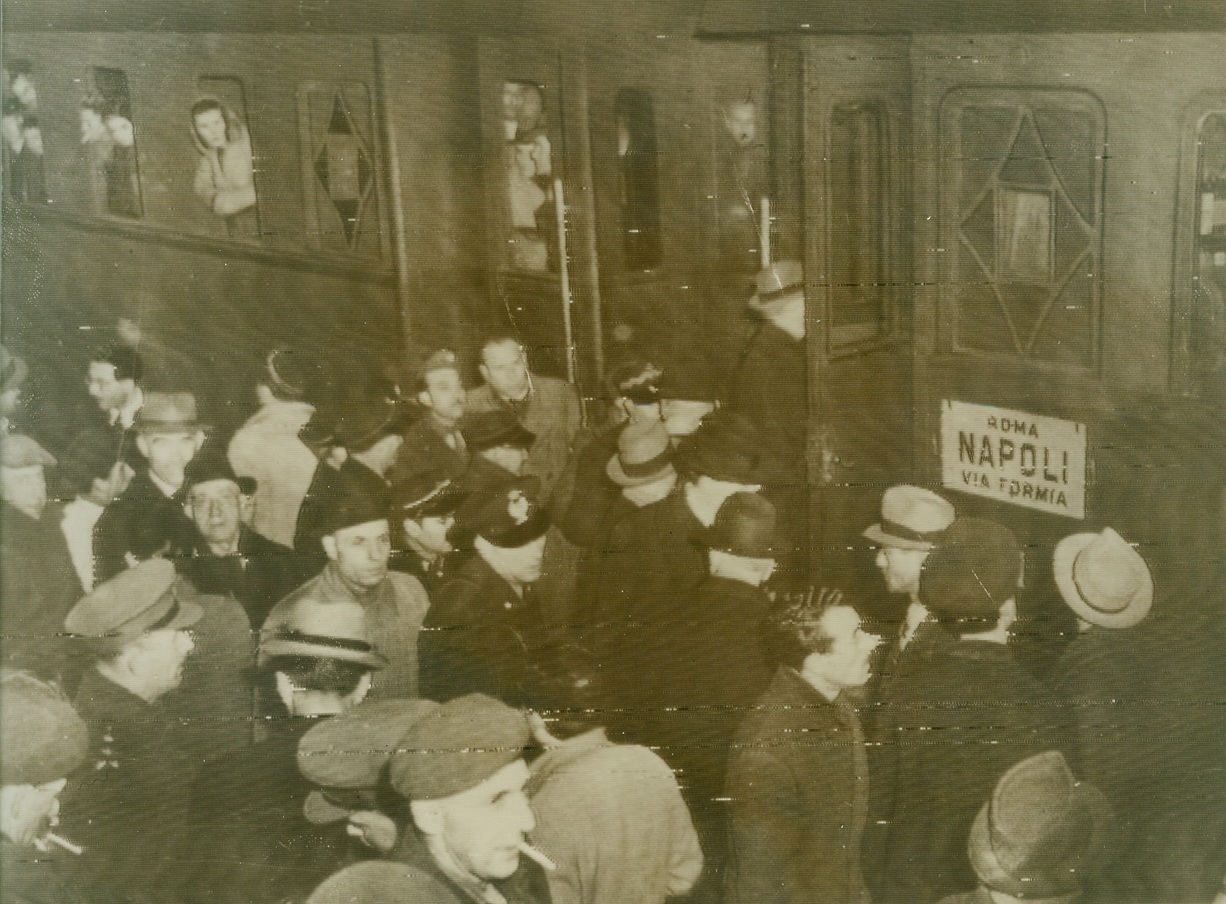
{"x": 764, "y": 231}
{"x": 400, "y": 242}
{"x": 559, "y": 207}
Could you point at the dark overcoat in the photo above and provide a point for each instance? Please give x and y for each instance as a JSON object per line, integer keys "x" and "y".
{"x": 425, "y": 448}
{"x": 798, "y": 790}
{"x": 771, "y": 389}
{"x": 139, "y": 524}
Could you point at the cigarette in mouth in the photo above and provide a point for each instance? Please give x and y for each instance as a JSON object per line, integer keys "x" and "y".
{"x": 533, "y": 854}
{"x": 64, "y": 843}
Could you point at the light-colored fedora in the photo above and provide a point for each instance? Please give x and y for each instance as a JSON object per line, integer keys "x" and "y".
{"x": 1103, "y": 579}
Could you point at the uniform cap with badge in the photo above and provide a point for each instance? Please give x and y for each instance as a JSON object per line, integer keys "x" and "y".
{"x": 507, "y": 516}
{"x": 346, "y": 755}
{"x": 427, "y": 495}
{"x": 491, "y": 429}
{"x": 42, "y": 739}
{"x": 138, "y": 601}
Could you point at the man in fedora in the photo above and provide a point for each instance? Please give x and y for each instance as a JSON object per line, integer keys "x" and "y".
{"x": 434, "y": 442}
{"x": 483, "y": 633}
{"x": 770, "y": 387}
{"x": 913, "y": 523}
{"x": 320, "y": 662}
{"x": 424, "y": 508}
{"x": 968, "y": 712}
{"x": 357, "y": 542}
{"x": 1104, "y": 678}
{"x": 127, "y": 802}
{"x": 655, "y": 558}
{"x": 499, "y": 445}
{"x": 227, "y": 556}
{"x": 547, "y": 407}
{"x": 148, "y": 519}
{"x": 798, "y": 774}
{"x": 707, "y": 680}
{"x": 268, "y": 450}
{"x": 1042, "y": 836}
{"x": 38, "y": 583}
{"x": 461, "y": 770}
{"x": 368, "y": 429}
{"x": 42, "y": 742}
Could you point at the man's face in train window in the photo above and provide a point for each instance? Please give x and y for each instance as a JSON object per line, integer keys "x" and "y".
{"x": 901, "y": 568}
{"x": 211, "y": 127}
{"x": 741, "y": 121}
{"x": 505, "y": 367}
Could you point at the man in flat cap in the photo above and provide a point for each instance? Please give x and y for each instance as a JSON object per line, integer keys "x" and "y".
{"x": 546, "y": 406}
{"x": 968, "y": 712}
{"x": 320, "y": 662}
{"x": 129, "y": 798}
{"x": 357, "y": 542}
{"x": 148, "y": 519}
{"x": 499, "y": 446}
{"x": 227, "y": 556}
{"x": 91, "y": 475}
{"x": 462, "y": 772}
{"x": 483, "y": 632}
{"x": 42, "y": 742}
{"x": 798, "y": 774}
{"x": 267, "y": 447}
{"x": 770, "y": 388}
{"x": 424, "y": 507}
{"x": 38, "y": 583}
{"x": 914, "y": 521}
{"x": 368, "y": 429}
{"x": 434, "y": 442}
{"x": 654, "y": 559}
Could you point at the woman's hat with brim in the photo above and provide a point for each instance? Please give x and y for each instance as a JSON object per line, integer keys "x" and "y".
{"x": 644, "y": 455}
{"x": 1103, "y": 579}
{"x": 1042, "y": 834}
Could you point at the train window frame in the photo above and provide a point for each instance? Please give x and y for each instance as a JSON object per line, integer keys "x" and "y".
{"x": 1186, "y": 374}
{"x": 852, "y": 338}
{"x": 1024, "y": 103}
{"x": 654, "y": 253}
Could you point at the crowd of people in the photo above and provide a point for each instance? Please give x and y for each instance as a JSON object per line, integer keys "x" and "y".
{"x": 400, "y": 641}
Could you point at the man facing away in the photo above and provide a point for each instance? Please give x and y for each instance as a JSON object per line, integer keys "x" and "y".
{"x": 798, "y": 773}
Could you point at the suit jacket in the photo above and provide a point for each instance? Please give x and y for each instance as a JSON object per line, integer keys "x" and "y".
{"x": 481, "y": 637}
{"x": 38, "y": 588}
{"x": 553, "y": 414}
{"x": 798, "y": 784}
{"x": 968, "y": 713}
{"x": 771, "y": 389}
{"x": 139, "y": 523}
{"x": 267, "y": 448}
{"x": 425, "y": 449}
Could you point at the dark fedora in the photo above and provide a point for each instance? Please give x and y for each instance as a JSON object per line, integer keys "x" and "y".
{"x": 491, "y": 429}
{"x": 1042, "y": 834}
{"x": 364, "y": 422}
{"x": 211, "y": 463}
{"x": 744, "y": 526}
{"x": 726, "y": 448}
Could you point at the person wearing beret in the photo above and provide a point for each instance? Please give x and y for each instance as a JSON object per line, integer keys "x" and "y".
{"x": 267, "y": 447}
{"x": 770, "y": 387}
{"x": 38, "y": 583}
{"x": 967, "y": 713}
{"x": 589, "y": 494}
{"x": 653, "y": 560}
{"x": 42, "y": 742}
{"x": 1105, "y": 678}
{"x": 1042, "y": 836}
{"x": 91, "y": 475}
{"x": 499, "y": 445}
{"x": 229, "y": 557}
{"x": 484, "y": 632}
{"x": 357, "y": 542}
{"x": 434, "y": 442}
{"x": 798, "y": 774}
{"x": 126, "y": 804}
{"x": 547, "y": 407}
{"x": 168, "y": 435}
{"x": 461, "y": 773}
{"x": 368, "y": 430}
{"x": 424, "y": 508}
{"x": 708, "y": 681}
{"x": 611, "y": 816}
{"x": 248, "y": 839}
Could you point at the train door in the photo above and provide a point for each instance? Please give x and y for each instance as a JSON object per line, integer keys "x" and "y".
{"x": 856, "y": 211}
{"x": 536, "y": 192}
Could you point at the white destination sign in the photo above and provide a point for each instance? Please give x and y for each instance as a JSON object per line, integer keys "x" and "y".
{"x": 1023, "y": 459}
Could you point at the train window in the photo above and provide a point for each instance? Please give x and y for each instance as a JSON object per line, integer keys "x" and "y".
{"x": 224, "y": 178}
{"x": 639, "y": 179}
{"x": 339, "y": 166}
{"x": 108, "y": 141}
{"x": 532, "y": 243}
{"x": 1023, "y": 196}
{"x": 22, "y": 135}
{"x": 859, "y": 237}
{"x": 1208, "y": 328}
